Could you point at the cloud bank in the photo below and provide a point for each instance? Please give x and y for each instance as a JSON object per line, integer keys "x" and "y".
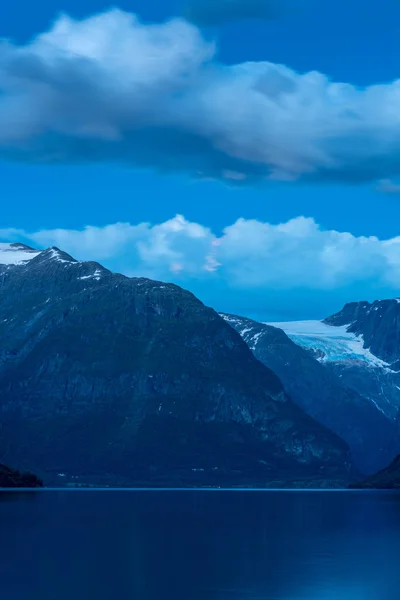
{"x": 110, "y": 88}
{"x": 252, "y": 267}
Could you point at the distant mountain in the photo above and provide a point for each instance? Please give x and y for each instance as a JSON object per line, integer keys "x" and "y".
{"x": 388, "y": 478}
{"x": 117, "y": 381}
{"x": 345, "y": 354}
{"x": 346, "y": 344}
{"x": 15, "y": 254}
{"x": 319, "y": 390}
{"x": 10, "y": 478}
{"x": 378, "y": 324}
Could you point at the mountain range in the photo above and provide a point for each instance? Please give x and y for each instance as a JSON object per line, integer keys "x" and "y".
{"x": 110, "y": 380}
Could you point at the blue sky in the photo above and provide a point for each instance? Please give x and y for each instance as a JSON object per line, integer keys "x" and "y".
{"x": 217, "y": 182}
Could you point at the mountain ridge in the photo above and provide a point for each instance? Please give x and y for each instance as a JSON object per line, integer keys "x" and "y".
{"x": 378, "y": 323}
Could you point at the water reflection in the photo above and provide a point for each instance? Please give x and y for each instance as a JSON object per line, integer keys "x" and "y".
{"x": 201, "y": 545}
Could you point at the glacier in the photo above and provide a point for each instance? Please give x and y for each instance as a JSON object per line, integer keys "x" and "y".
{"x": 331, "y": 343}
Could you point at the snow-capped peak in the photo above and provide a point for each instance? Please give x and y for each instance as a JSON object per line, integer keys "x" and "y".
{"x": 19, "y": 254}
{"x": 54, "y": 253}
{"x": 16, "y": 254}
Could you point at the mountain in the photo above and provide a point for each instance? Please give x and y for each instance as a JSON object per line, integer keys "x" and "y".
{"x": 351, "y": 352}
{"x": 378, "y": 324}
{"x": 376, "y": 327}
{"x": 388, "y": 478}
{"x": 112, "y": 380}
{"x": 318, "y": 389}
{"x": 10, "y": 478}
{"x": 344, "y": 353}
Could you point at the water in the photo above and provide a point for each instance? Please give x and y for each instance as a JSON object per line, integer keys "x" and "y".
{"x": 188, "y": 545}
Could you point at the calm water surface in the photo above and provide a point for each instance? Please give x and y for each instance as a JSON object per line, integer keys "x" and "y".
{"x": 85, "y": 545}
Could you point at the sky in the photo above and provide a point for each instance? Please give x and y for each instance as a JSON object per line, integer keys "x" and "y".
{"x": 248, "y": 150}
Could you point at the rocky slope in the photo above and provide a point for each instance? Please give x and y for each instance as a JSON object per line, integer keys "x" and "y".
{"x": 112, "y": 380}
{"x": 388, "y": 478}
{"x": 10, "y": 478}
{"x": 378, "y": 324}
{"x": 370, "y": 434}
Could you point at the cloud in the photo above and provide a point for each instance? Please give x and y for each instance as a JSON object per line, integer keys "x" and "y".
{"x": 176, "y": 247}
{"x": 110, "y": 88}
{"x": 216, "y": 12}
{"x": 252, "y": 267}
{"x": 387, "y": 186}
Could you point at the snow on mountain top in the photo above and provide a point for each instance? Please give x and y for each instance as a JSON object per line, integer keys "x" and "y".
{"x": 333, "y": 343}
{"x": 16, "y": 254}
{"x": 247, "y": 332}
{"x": 230, "y": 318}
{"x": 19, "y": 254}
{"x": 59, "y": 256}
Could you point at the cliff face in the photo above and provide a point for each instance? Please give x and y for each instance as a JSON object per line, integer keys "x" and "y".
{"x": 129, "y": 380}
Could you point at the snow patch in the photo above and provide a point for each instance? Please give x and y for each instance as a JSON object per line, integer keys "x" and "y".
{"x": 230, "y": 319}
{"x": 245, "y": 330}
{"x": 96, "y": 275}
{"x": 254, "y": 340}
{"x": 251, "y": 340}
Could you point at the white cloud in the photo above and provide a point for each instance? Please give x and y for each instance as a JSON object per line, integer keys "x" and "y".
{"x": 298, "y": 254}
{"x": 109, "y": 88}
{"x": 249, "y": 254}
{"x": 176, "y": 247}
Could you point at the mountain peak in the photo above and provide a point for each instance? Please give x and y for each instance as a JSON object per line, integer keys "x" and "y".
{"x": 377, "y": 324}
{"x": 350, "y": 313}
{"x": 54, "y": 253}
{"x": 14, "y": 253}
